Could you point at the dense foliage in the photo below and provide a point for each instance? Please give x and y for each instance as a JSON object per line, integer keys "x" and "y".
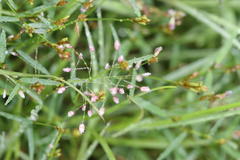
{"x": 119, "y": 79}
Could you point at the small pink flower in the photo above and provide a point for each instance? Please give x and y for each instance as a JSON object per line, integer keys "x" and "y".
{"x": 107, "y": 66}
{"x": 60, "y": 47}
{"x": 83, "y": 107}
{"x": 90, "y": 113}
{"x": 51, "y": 146}
{"x": 83, "y": 10}
{"x": 60, "y": 90}
{"x": 101, "y": 111}
{"x": 129, "y": 86}
{"x": 91, "y": 48}
{"x": 71, "y": 113}
{"x": 145, "y": 89}
{"x": 87, "y": 93}
{"x": 121, "y": 91}
{"x": 4, "y": 93}
{"x": 10, "y": 36}
{"x": 67, "y": 69}
{"x": 146, "y": 74}
{"x": 138, "y": 65}
{"x": 13, "y": 53}
{"x": 139, "y": 78}
{"x": 172, "y": 23}
{"x": 120, "y": 59}
{"x": 113, "y": 90}
{"x": 157, "y": 51}
{"x": 68, "y": 45}
{"x": 117, "y": 45}
{"x": 116, "y": 100}
{"x": 171, "y": 12}
{"x": 80, "y": 56}
{"x": 21, "y": 94}
{"x": 94, "y": 98}
{"x": 81, "y": 128}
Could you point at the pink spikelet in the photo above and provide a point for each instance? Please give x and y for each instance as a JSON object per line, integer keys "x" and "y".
{"x": 129, "y": 86}
{"x": 116, "y": 100}
{"x": 146, "y": 74}
{"x": 117, "y": 45}
{"x": 71, "y": 113}
{"x": 67, "y": 69}
{"x": 90, "y": 113}
{"x": 139, "y": 78}
{"x": 21, "y": 94}
{"x": 121, "y": 91}
{"x": 157, "y": 51}
{"x": 81, "y": 128}
{"x": 4, "y": 94}
{"x": 145, "y": 89}
{"x": 101, "y": 111}
{"x": 120, "y": 59}
{"x": 107, "y": 66}
{"x": 91, "y": 48}
{"x": 60, "y": 90}
{"x": 83, "y": 107}
{"x": 113, "y": 91}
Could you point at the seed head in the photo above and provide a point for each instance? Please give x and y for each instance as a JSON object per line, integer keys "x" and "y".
{"x": 21, "y": 94}
{"x": 145, "y": 89}
{"x": 71, "y": 113}
{"x": 81, "y": 128}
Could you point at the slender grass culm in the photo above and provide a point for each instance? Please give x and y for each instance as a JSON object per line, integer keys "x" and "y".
{"x": 119, "y": 79}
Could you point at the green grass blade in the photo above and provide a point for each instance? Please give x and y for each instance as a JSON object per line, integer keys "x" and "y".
{"x": 105, "y": 146}
{"x": 174, "y": 144}
{"x": 35, "y": 64}
{"x": 2, "y": 46}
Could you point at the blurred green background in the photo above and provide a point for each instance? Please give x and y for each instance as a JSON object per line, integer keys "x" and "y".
{"x": 171, "y": 122}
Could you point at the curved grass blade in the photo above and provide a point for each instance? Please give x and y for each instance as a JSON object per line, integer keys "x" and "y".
{"x": 32, "y": 62}
{"x": 172, "y": 146}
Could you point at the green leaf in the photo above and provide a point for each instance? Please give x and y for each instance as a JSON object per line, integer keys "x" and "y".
{"x": 47, "y": 82}
{"x": 12, "y": 4}
{"x": 135, "y": 7}
{"x": 12, "y": 94}
{"x": 148, "y": 106}
{"x": 105, "y": 146}
{"x": 34, "y": 96}
{"x": 31, "y": 146}
{"x": 32, "y": 62}
{"x": 172, "y": 146}
{"x": 8, "y": 19}
{"x": 2, "y": 46}
{"x": 14, "y": 117}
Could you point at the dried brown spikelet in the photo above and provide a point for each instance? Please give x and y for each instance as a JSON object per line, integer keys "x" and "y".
{"x": 154, "y": 59}
{"x": 124, "y": 65}
{"x": 62, "y": 3}
{"x": 61, "y": 21}
{"x": 143, "y": 20}
{"x": 82, "y": 17}
{"x": 38, "y": 87}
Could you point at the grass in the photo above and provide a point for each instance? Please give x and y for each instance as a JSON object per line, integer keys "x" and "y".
{"x": 190, "y": 112}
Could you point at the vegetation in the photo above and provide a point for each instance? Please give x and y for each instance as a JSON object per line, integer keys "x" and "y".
{"x": 119, "y": 79}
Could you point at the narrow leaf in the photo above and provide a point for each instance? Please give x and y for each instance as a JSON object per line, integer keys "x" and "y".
{"x": 8, "y": 19}
{"x": 32, "y": 62}
{"x": 148, "y": 106}
{"x": 105, "y": 146}
{"x": 47, "y": 82}
{"x": 2, "y": 46}
{"x": 12, "y": 94}
{"x": 172, "y": 146}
